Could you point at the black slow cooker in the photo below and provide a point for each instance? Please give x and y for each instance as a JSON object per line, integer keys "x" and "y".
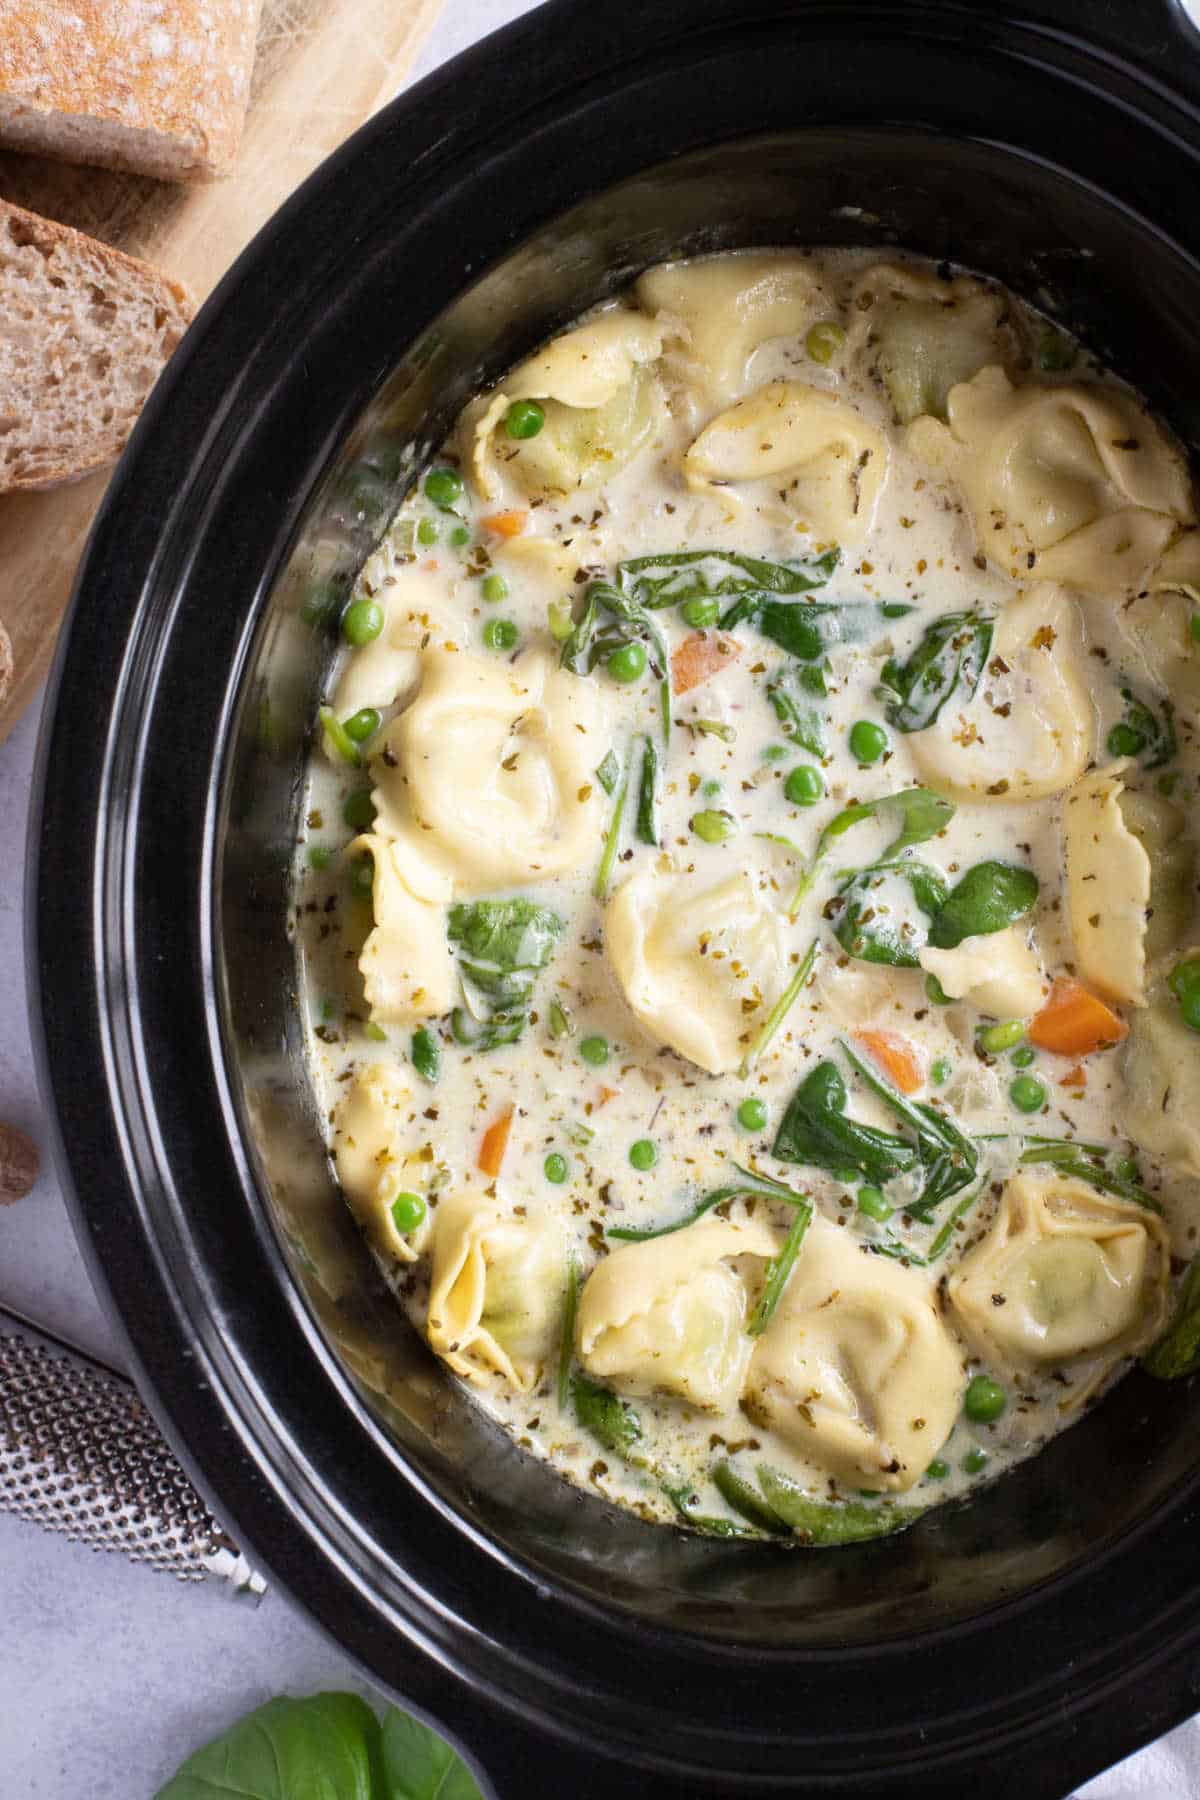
{"x": 1011, "y": 1646}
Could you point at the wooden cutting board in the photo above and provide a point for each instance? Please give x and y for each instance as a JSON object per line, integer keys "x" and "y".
{"x": 323, "y": 66}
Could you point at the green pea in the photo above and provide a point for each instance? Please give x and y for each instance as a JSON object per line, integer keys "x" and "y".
{"x": 872, "y": 1205}
{"x": 460, "y": 536}
{"x": 1022, "y": 1057}
{"x": 1055, "y": 353}
{"x": 1194, "y": 627}
{"x": 1184, "y": 978}
{"x": 984, "y": 1400}
{"x": 700, "y": 614}
{"x": 500, "y": 634}
{"x": 443, "y": 486}
{"x": 362, "y": 877}
{"x": 362, "y": 622}
{"x": 627, "y": 663}
{"x": 937, "y": 1470}
{"x": 358, "y": 810}
{"x": 556, "y": 1168}
{"x": 974, "y": 1461}
{"x": 1123, "y": 740}
{"x": 710, "y": 788}
{"x": 1189, "y": 1006}
{"x": 824, "y": 339}
{"x": 524, "y": 419}
{"x": 1027, "y": 1093}
{"x": 594, "y": 1050}
{"x": 941, "y": 1071}
{"x": 643, "y": 1155}
{"x": 752, "y": 1113}
{"x": 428, "y": 531}
{"x": 713, "y": 827}
{"x": 847, "y": 1177}
{"x": 868, "y": 741}
{"x": 494, "y": 588}
{"x": 560, "y": 619}
{"x": 775, "y": 752}
{"x": 1166, "y": 784}
{"x": 804, "y": 785}
{"x": 408, "y": 1211}
{"x": 362, "y": 725}
{"x": 319, "y": 856}
{"x": 936, "y": 992}
{"x": 996, "y": 1039}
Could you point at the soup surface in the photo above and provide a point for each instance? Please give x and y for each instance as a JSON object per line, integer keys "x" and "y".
{"x": 747, "y": 899}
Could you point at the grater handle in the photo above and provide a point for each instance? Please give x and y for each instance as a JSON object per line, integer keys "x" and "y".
{"x": 80, "y": 1454}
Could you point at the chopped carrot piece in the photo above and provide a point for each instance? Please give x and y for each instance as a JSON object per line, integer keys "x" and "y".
{"x": 607, "y": 1094}
{"x": 702, "y": 654}
{"x": 1074, "y": 1022}
{"x": 1076, "y": 1077}
{"x": 506, "y": 524}
{"x": 896, "y": 1057}
{"x": 495, "y": 1143}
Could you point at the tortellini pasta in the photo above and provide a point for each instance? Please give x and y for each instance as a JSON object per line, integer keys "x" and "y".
{"x": 999, "y": 973}
{"x": 1078, "y": 480}
{"x": 1030, "y": 728}
{"x": 1161, "y": 829}
{"x": 699, "y": 965}
{"x": 668, "y": 1315}
{"x": 922, "y": 335}
{"x": 1108, "y": 888}
{"x": 829, "y": 463}
{"x": 721, "y": 309}
{"x": 375, "y": 1157}
{"x": 416, "y": 614}
{"x": 856, "y": 1370}
{"x": 1156, "y": 625}
{"x": 1064, "y": 1272}
{"x": 488, "y": 777}
{"x": 406, "y": 966}
{"x": 601, "y": 402}
{"x": 496, "y": 1289}
{"x": 1162, "y": 1080}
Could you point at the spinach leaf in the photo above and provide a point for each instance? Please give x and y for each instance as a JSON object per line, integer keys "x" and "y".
{"x": 792, "y": 694}
{"x": 327, "y": 1747}
{"x": 1177, "y": 1352}
{"x": 419, "y": 1765}
{"x": 426, "y": 1054}
{"x": 611, "y": 617}
{"x": 748, "y": 1182}
{"x": 876, "y": 932}
{"x": 647, "y": 807}
{"x": 949, "y": 659}
{"x": 820, "y": 1522}
{"x": 816, "y": 1131}
{"x": 745, "y": 1498}
{"x": 919, "y": 812}
{"x": 502, "y": 947}
{"x": 779, "y": 1011}
{"x": 684, "y": 1498}
{"x": 778, "y": 1271}
{"x": 990, "y": 897}
{"x": 809, "y": 629}
{"x": 1142, "y": 733}
{"x": 612, "y": 1421}
{"x": 949, "y": 1159}
{"x": 676, "y": 576}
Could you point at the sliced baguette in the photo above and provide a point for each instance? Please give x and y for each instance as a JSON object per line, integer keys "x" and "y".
{"x": 153, "y": 88}
{"x": 84, "y": 332}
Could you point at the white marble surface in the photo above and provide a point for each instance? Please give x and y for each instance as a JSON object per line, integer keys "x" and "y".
{"x": 110, "y": 1673}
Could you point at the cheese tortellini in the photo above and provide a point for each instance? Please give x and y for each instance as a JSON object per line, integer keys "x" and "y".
{"x": 1156, "y": 626}
{"x": 1108, "y": 888}
{"x": 699, "y": 965}
{"x": 825, "y": 458}
{"x": 1063, "y": 1273}
{"x": 1162, "y": 1081}
{"x": 601, "y": 402}
{"x": 496, "y": 1289}
{"x": 1074, "y": 479}
{"x": 376, "y": 1158}
{"x": 922, "y": 336}
{"x": 406, "y": 966}
{"x": 668, "y": 1315}
{"x": 720, "y": 309}
{"x": 417, "y": 613}
{"x": 856, "y": 1370}
{"x": 488, "y": 777}
{"x": 1029, "y": 729}
{"x": 999, "y": 973}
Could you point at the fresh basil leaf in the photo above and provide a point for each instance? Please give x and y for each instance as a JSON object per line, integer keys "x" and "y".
{"x": 676, "y": 576}
{"x": 872, "y": 928}
{"x": 1177, "y": 1352}
{"x": 1143, "y": 733}
{"x": 792, "y": 695}
{"x": 816, "y": 1132}
{"x": 647, "y": 807}
{"x": 990, "y": 897}
{"x": 820, "y": 1522}
{"x": 810, "y": 629}
{"x": 949, "y": 660}
{"x": 611, "y": 1420}
{"x": 420, "y": 1765}
{"x": 327, "y": 1747}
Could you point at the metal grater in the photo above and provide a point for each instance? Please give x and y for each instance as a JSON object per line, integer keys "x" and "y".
{"x": 79, "y": 1453}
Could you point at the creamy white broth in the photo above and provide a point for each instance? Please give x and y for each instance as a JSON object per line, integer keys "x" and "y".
{"x": 925, "y": 543}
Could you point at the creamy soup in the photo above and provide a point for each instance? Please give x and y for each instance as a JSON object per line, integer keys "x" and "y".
{"x": 747, "y": 897}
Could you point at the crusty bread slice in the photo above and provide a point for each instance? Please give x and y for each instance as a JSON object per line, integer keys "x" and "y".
{"x": 6, "y": 663}
{"x": 153, "y": 88}
{"x": 84, "y": 332}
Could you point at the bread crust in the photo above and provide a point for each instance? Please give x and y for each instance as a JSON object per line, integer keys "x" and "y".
{"x": 158, "y": 87}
